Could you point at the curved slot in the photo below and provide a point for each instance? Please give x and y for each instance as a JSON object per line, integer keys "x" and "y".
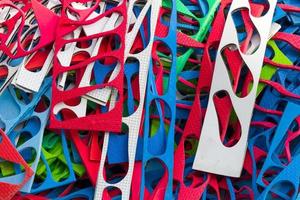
{"x": 229, "y": 124}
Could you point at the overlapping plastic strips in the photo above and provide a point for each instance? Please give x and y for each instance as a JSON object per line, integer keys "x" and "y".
{"x": 107, "y": 99}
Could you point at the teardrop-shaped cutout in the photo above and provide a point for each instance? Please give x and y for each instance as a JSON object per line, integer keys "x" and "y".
{"x": 248, "y": 36}
{"x": 78, "y": 103}
{"x": 229, "y": 124}
{"x": 237, "y": 71}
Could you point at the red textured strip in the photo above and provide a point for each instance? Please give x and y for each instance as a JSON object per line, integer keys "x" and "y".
{"x": 9, "y": 153}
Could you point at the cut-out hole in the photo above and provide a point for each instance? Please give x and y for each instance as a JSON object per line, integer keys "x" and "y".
{"x": 43, "y": 104}
{"x": 229, "y": 124}
{"x": 141, "y": 40}
{"x": 281, "y": 190}
{"x": 29, "y": 41}
{"x": 11, "y": 12}
{"x": 237, "y": 70}
{"x": 114, "y": 173}
{"x": 23, "y": 137}
{"x": 77, "y": 104}
{"x": 153, "y": 178}
{"x": 110, "y": 42}
{"x": 28, "y": 154}
{"x": 23, "y": 97}
{"x": 270, "y": 174}
{"x": 255, "y": 6}
{"x": 3, "y": 75}
{"x": 162, "y": 60}
{"x": 105, "y": 70}
{"x": 248, "y": 36}
{"x": 131, "y": 87}
{"x": 159, "y": 113}
{"x": 35, "y": 62}
{"x": 3, "y": 29}
{"x": 111, "y": 192}
{"x": 165, "y": 18}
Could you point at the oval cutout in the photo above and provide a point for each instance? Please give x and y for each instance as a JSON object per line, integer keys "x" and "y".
{"x": 229, "y": 124}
